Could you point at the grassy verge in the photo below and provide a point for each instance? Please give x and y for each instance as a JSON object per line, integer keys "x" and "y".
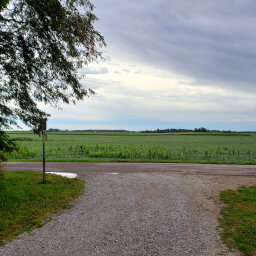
{"x": 26, "y": 203}
{"x": 238, "y": 220}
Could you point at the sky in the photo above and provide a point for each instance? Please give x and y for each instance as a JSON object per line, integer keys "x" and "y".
{"x": 170, "y": 64}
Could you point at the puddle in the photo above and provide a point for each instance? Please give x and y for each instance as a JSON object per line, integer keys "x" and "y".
{"x": 64, "y": 174}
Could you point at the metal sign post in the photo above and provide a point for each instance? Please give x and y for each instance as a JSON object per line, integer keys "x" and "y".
{"x": 43, "y": 135}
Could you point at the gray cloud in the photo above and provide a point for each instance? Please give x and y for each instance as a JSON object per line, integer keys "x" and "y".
{"x": 94, "y": 83}
{"x": 91, "y": 71}
{"x": 211, "y": 41}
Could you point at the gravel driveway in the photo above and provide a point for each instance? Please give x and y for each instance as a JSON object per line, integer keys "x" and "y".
{"x": 136, "y": 209}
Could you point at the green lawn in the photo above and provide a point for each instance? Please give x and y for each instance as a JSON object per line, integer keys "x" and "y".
{"x": 26, "y": 203}
{"x": 239, "y": 219}
{"x": 182, "y": 147}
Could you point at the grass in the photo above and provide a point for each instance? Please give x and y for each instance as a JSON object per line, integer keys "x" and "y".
{"x": 134, "y": 147}
{"x": 26, "y": 203}
{"x": 238, "y": 220}
{"x": 137, "y": 147}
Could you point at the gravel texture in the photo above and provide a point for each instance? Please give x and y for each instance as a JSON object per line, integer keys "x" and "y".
{"x": 137, "y": 212}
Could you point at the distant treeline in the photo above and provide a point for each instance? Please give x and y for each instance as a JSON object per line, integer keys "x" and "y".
{"x": 172, "y": 130}
{"x": 167, "y": 131}
{"x": 59, "y": 130}
{"x": 201, "y": 129}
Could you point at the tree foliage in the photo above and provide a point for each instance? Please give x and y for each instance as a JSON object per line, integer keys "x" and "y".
{"x": 3, "y": 4}
{"x": 202, "y": 129}
{"x": 42, "y": 46}
{"x": 6, "y": 145}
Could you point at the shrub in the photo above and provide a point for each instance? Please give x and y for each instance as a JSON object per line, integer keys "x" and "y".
{"x": 6, "y": 146}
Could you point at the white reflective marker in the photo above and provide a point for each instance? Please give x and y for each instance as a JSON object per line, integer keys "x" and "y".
{"x": 64, "y": 174}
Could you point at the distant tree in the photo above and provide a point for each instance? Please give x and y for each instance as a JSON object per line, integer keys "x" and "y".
{"x": 53, "y": 130}
{"x": 202, "y": 129}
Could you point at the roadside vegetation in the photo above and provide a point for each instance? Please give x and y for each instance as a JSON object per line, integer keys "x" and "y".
{"x": 141, "y": 147}
{"x": 26, "y": 203}
{"x": 7, "y": 145}
{"x": 238, "y": 220}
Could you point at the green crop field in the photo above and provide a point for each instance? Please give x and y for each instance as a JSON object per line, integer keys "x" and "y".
{"x": 182, "y": 147}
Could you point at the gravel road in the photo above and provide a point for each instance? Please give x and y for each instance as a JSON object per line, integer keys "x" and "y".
{"x": 136, "y": 209}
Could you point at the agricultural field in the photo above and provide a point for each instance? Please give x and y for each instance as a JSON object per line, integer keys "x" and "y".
{"x": 181, "y": 147}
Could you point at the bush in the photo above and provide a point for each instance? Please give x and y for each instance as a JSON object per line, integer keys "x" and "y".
{"x": 6, "y": 146}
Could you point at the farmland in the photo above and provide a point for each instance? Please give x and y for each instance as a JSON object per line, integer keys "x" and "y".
{"x": 181, "y": 147}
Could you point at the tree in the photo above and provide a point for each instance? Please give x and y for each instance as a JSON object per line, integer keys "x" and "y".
{"x": 42, "y": 46}
{"x": 202, "y": 129}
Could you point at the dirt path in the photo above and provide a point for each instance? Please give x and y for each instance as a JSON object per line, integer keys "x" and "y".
{"x": 136, "y": 209}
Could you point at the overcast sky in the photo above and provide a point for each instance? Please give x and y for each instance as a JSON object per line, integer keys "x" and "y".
{"x": 170, "y": 64}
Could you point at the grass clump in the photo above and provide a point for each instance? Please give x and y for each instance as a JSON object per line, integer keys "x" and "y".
{"x": 26, "y": 203}
{"x": 238, "y": 220}
{"x": 21, "y": 139}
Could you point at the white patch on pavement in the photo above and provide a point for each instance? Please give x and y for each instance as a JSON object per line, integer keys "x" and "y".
{"x": 64, "y": 174}
{"x": 114, "y": 173}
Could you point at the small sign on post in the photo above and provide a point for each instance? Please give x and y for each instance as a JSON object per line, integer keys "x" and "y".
{"x": 39, "y": 128}
{"x": 43, "y": 129}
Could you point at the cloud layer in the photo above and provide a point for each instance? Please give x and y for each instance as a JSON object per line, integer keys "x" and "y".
{"x": 210, "y": 41}
{"x": 170, "y": 64}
